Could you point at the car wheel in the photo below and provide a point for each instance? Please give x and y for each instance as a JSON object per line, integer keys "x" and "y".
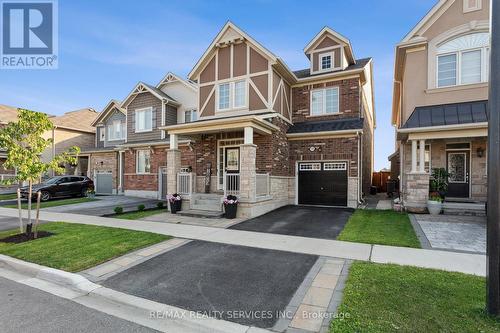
{"x": 83, "y": 193}
{"x": 45, "y": 196}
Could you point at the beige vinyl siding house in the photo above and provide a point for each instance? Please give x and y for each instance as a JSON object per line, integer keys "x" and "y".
{"x": 440, "y": 102}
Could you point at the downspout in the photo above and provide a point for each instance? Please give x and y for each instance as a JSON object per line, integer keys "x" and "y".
{"x": 53, "y": 147}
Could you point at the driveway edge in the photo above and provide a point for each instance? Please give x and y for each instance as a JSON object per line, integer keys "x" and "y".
{"x": 162, "y": 317}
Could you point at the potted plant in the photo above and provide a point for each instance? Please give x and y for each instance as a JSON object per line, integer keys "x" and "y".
{"x": 90, "y": 193}
{"x": 435, "y": 203}
{"x": 175, "y": 201}
{"x": 230, "y": 206}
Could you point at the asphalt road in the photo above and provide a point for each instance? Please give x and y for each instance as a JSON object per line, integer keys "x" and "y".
{"x": 305, "y": 221}
{"x": 26, "y": 309}
{"x": 219, "y": 280}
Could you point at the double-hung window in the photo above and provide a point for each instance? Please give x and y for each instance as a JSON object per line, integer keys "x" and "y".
{"x": 190, "y": 116}
{"x": 232, "y": 95}
{"x": 116, "y": 130}
{"x": 143, "y": 161}
{"x": 463, "y": 60}
{"x": 144, "y": 120}
{"x": 325, "y": 101}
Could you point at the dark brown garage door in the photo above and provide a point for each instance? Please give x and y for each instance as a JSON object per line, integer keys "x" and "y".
{"x": 323, "y": 184}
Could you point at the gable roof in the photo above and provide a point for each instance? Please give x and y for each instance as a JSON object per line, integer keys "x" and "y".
{"x": 113, "y": 104}
{"x": 141, "y": 87}
{"x": 448, "y": 114}
{"x": 78, "y": 120}
{"x": 171, "y": 77}
{"x": 438, "y": 7}
{"x": 244, "y": 36}
{"x": 329, "y": 31}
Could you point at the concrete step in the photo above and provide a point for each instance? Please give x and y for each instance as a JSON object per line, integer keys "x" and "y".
{"x": 201, "y": 213}
{"x": 464, "y": 208}
{"x": 205, "y": 206}
{"x": 207, "y": 202}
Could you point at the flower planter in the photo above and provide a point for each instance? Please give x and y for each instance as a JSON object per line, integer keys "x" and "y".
{"x": 173, "y": 207}
{"x": 434, "y": 207}
{"x": 175, "y": 201}
{"x": 230, "y": 210}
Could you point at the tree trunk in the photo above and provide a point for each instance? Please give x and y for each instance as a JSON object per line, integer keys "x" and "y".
{"x": 30, "y": 193}
{"x": 21, "y": 229}
{"x": 37, "y": 220}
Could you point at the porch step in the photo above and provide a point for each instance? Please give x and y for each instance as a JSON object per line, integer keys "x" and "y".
{"x": 201, "y": 213}
{"x": 206, "y": 202}
{"x": 464, "y": 208}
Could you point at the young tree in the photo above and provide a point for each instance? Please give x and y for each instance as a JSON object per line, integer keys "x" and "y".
{"x": 25, "y": 144}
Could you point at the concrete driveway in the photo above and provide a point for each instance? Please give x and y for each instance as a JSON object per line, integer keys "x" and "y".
{"x": 305, "y": 221}
{"x": 219, "y": 280}
{"x": 105, "y": 205}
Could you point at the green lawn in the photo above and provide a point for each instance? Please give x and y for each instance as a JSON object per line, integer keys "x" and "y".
{"x": 75, "y": 247}
{"x": 140, "y": 215}
{"x": 8, "y": 196}
{"x": 391, "y": 298}
{"x": 385, "y": 227}
{"x": 53, "y": 203}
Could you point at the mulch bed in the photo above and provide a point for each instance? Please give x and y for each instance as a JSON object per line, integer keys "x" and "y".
{"x": 21, "y": 238}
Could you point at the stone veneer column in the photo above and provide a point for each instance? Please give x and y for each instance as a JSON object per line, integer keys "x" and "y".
{"x": 173, "y": 168}
{"x": 417, "y": 192}
{"x": 248, "y": 155}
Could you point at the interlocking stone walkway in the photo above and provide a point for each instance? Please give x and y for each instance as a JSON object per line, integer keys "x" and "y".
{"x": 462, "y": 233}
{"x": 179, "y": 219}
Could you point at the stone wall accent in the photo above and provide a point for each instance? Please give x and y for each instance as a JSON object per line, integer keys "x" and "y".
{"x": 478, "y": 172}
{"x": 349, "y": 91}
{"x": 248, "y": 154}
{"x": 417, "y": 192}
{"x": 352, "y": 192}
{"x": 173, "y": 168}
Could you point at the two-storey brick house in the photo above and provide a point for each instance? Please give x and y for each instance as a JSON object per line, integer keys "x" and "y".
{"x": 271, "y": 135}
{"x": 440, "y": 102}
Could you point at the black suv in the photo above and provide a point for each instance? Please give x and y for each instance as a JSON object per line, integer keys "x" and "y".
{"x": 60, "y": 186}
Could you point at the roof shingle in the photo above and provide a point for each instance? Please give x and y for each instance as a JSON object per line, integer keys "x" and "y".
{"x": 326, "y": 126}
{"x": 360, "y": 63}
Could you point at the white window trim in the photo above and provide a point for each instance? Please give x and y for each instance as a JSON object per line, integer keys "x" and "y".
{"x": 150, "y": 108}
{"x": 320, "y": 61}
{"x": 313, "y": 167}
{"x": 458, "y": 67}
{"x": 137, "y": 162}
{"x": 332, "y": 166}
{"x": 232, "y": 96}
{"x": 324, "y": 113}
{"x": 122, "y": 131}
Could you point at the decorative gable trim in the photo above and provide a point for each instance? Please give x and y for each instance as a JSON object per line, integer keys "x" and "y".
{"x": 328, "y": 32}
{"x": 111, "y": 106}
{"x": 171, "y": 77}
{"x": 429, "y": 19}
{"x": 141, "y": 88}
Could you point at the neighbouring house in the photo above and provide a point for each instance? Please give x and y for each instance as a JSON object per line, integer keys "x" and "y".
{"x": 73, "y": 128}
{"x": 7, "y": 114}
{"x": 440, "y": 102}
{"x": 101, "y": 161}
{"x": 267, "y": 134}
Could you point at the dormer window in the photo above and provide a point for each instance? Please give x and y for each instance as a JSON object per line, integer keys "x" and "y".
{"x": 326, "y": 60}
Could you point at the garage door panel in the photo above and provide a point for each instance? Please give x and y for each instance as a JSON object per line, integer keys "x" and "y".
{"x": 320, "y": 187}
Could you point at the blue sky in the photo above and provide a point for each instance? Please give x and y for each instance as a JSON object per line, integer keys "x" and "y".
{"x": 106, "y": 47}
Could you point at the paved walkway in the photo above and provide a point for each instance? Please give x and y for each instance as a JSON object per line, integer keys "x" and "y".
{"x": 200, "y": 221}
{"x": 446, "y": 260}
{"x": 459, "y": 233}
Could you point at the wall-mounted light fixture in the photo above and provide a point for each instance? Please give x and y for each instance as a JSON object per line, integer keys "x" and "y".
{"x": 480, "y": 152}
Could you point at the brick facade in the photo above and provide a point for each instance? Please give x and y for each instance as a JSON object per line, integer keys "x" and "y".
{"x": 349, "y": 100}
{"x": 105, "y": 162}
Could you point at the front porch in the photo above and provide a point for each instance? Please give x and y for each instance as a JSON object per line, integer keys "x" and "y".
{"x": 464, "y": 158}
{"x": 234, "y": 158}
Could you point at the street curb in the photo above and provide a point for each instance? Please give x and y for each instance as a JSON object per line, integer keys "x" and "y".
{"x": 185, "y": 319}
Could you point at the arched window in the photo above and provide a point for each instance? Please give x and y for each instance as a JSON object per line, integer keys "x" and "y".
{"x": 463, "y": 60}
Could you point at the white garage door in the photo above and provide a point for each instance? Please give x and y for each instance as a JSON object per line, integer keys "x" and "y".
{"x": 104, "y": 183}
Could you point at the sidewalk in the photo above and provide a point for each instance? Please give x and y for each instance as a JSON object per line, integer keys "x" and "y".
{"x": 445, "y": 260}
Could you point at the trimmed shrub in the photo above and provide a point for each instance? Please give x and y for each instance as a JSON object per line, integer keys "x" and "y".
{"x": 141, "y": 207}
{"x": 118, "y": 210}
{"x": 160, "y": 205}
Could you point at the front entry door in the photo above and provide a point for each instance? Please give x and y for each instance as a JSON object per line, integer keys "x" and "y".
{"x": 458, "y": 168}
